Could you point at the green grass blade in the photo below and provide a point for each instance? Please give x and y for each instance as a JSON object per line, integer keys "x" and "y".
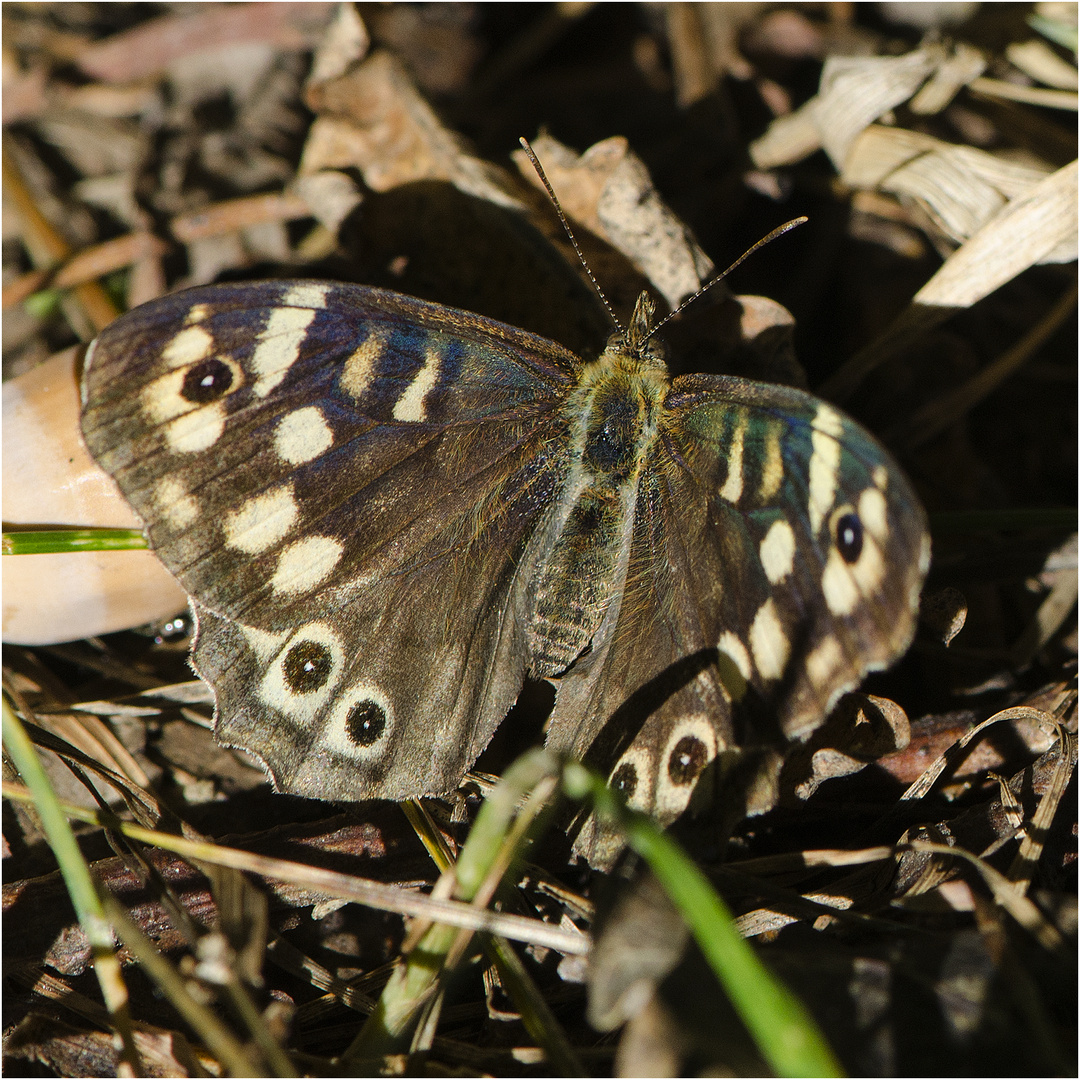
{"x": 79, "y": 882}
{"x": 53, "y": 541}
{"x": 783, "y": 1030}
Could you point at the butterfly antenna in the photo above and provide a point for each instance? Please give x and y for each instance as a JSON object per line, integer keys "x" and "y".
{"x": 779, "y": 231}
{"x": 570, "y": 233}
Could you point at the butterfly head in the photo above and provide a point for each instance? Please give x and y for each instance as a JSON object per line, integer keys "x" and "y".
{"x": 637, "y": 343}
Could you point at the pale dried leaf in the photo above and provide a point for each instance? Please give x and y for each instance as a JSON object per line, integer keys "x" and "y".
{"x": 112, "y": 100}
{"x": 331, "y": 196}
{"x": 608, "y": 189}
{"x": 1038, "y": 227}
{"x": 960, "y": 187}
{"x": 923, "y": 15}
{"x": 855, "y": 91}
{"x": 153, "y": 46}
{"x": 236, "y": 70}
{"x": 94, "y": 145}
{"x": 115, "y": 193}
{"x": 1037, "y": 59}
{"x": 1029, "y": 95}
{"x": 267, "y": 240}
{"x": 788, "y": 138}
{"x": 955, "y": 72}
{"x": 346, "y": 40}
{"x": 209, "y": 256}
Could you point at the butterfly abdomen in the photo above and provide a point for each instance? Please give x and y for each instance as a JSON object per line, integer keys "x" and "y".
{"x": 585, "y": 546}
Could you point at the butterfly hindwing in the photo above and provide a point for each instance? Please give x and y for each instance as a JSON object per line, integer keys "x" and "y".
{"x": 343, "y": 478}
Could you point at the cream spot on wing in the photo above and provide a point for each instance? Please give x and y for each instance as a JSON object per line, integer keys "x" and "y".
{"x": 778, "y": 551}
{"x": 262, "y": 521}
{"x": 639, "y": 759}
{"x": 869, "y": 568}
{"x": 843, "y": 583}
{"x": 308, "y": 294}
{"x": 733, "y": 647}
{"x": 374, "y": 706}
{"x": 362, "y": 365}
{"x": 733, "y": 483}
{"x": 305, "y": 564}
{"x": 768, "y": 642}
{"x": 772, "y": 470}
{"x": 881, "y": 477}
{"x": 191, "y": 345}
{"x": 302, "y": 436}
{"x": 874, "y": 513}
{"x": 174, "y": 503}
{"x": 313, "y": 653}
{"x": 690, "y": 747}
{"x": 196, "y": 315}
{"x": 823, "y": 662}
{"x": 263, "y": 643}
{"x": 824, "y": 463}
{"x": 196, "y": 430}
{"x": 279, "y": 346}
{"x": 410, "y": 406}
{"x": 838, "y": 584}
{"x": 735, "y": 667}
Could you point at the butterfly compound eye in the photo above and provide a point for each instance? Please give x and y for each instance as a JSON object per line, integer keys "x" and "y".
{"x": 849, "y": 537}
{"x": 207, "y": 381}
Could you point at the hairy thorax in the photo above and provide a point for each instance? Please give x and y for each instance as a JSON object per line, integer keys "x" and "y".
{"x": 613, "y": 416}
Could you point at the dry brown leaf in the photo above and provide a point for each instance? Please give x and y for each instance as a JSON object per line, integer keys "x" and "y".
{"x": 235, "y": 214}
{"x": 704, "y": 43}
{"x": 150, "y": 48}
{"x": 608, "y": 189}
{"x": 374, "y": 119}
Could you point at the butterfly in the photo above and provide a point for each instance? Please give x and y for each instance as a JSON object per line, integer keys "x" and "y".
{"x": 389, "y": 513}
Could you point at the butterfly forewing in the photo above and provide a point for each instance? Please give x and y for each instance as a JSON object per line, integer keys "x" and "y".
{"x": 345, "y": 480}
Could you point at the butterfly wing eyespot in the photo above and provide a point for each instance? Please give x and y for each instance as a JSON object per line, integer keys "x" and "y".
{"x": 848, "y": 535}
{"x": 686, "y": 760}
{"x": 366, "y": 722}
{"x": 207, "y": 381}
{"x": 307, "y": 667}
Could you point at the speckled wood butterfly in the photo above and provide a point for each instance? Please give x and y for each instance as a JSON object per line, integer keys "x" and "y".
{"x": 389, "y": 513}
